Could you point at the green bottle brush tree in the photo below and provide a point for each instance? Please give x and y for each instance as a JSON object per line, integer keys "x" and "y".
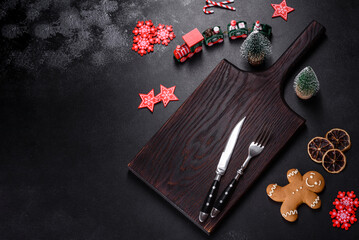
{"x": 306, "y": 83}
{"x": 256, "y": 48}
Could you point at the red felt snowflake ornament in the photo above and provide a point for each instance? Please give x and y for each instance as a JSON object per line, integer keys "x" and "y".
{"x": 342, "y": 218}
{"x": 146, "y": 35}
{"x": 344, "y": 213}
{"x": 144, "y": 28}
{"x": 346, "y": 200}
{"x": 281, "y": 10}
{"x": 164, "y": 34}
{"x": 143, "y": 44}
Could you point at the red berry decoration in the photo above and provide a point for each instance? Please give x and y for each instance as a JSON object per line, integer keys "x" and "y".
{"x": 344, "y": 213}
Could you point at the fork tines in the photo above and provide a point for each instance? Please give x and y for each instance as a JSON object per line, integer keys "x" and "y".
{"x": 263, "y": 136}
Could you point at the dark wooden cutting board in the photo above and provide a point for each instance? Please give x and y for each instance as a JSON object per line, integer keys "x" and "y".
{"x": 180, "y": 160}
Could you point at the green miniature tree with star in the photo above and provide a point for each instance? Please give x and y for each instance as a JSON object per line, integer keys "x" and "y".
{"x": 256, "y": 48}
{"x": 306, "y": 83}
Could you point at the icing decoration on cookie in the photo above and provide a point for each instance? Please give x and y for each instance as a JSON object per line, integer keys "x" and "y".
{"x": 312, "y": 174}
{"x": 291, "y": 174}
{"x": 297, "y": 190}
{"x": 306, "y": 182}
{"x": 301, "y": 189}
{"x": 272, "y": 189}
{"x": 291, "y": 212}
{"x": 315, "y": 202}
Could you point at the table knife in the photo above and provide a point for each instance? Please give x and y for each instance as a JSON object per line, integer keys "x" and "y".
{"x": 221, "y": 169}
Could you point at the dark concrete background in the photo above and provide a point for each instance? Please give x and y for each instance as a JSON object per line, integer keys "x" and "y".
{"x": 69, "y": 122}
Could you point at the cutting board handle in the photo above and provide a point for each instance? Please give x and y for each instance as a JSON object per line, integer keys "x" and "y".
{"x": 299, "y": 47}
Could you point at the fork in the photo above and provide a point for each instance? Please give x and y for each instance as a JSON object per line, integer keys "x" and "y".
{"x": 255, "y": 148}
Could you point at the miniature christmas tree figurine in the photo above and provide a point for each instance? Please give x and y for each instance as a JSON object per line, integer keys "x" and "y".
{"x": 256, "y": 48}
{"x": 306, "y": 83}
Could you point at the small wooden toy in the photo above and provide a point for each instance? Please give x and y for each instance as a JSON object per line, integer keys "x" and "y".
{"x": 265, "y": 29}
{"x": 213, "y": 35}
{"x": 193, "y": 44}
{"x": 194, "y": 39}
{"x": 237, "y": 30}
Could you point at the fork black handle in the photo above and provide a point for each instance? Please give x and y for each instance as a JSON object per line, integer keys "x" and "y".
{"x": 224, "y": 198}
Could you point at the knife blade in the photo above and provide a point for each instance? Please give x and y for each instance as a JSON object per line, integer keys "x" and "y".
{"x": 220, "y": 170}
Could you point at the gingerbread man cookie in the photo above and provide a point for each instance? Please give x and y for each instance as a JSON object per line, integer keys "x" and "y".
{"x": 301, "y": 189}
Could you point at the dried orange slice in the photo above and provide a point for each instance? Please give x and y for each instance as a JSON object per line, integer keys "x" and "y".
{"x": 340, "y": 139}
{"x": 334, "y": 161}
{"x": 317, "y": 147}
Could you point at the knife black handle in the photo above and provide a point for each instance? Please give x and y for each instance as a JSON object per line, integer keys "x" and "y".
{"x": 226, "y": 195}
{"x": 211, "y": 196}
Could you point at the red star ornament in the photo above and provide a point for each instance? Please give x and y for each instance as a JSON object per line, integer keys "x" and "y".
{"x": 281, "y": 10}
{"x": 167, "y": 95}
{"x": 148, "y": 100}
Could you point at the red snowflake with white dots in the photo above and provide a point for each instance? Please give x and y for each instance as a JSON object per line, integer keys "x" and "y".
{"x": 164, "y": 34}
{"x": 144, "y": 28}
{"x": 346, "y": 200}
{"x": 342, "y": 218}
{"x": 143, "y": 40}
{"x": 146, "y": 35}
{"x": 142, "y": 44}
{"x": 344, "y": 213}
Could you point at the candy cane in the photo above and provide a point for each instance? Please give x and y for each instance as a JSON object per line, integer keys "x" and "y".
{"x": 222, "y": 4}
{"x": 218, "y": 4}
{"x": 208, "y": 11}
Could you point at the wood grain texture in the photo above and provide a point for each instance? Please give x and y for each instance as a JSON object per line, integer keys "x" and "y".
{"x": 179, "y": 161}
